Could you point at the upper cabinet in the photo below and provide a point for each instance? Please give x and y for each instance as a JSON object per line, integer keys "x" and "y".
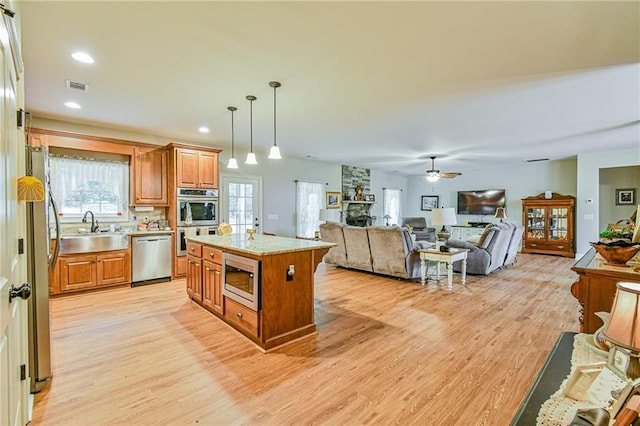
{"x": 149, "y": 168}
{"x": 548, "y": 224}
{"x": 196, "y": 169}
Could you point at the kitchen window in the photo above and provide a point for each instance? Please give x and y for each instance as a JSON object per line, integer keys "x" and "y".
{"x": 81, "y": 184}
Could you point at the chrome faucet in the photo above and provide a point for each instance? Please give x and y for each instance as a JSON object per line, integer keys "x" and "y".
{"x": 94, "y": 222}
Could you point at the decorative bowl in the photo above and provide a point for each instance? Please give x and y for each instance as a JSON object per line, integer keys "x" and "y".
{"x": 617, "y": 253}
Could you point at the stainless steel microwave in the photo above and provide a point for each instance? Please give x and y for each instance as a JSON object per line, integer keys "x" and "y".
{"x": 241, "y": 280}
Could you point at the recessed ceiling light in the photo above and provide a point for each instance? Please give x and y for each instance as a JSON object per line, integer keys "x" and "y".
{"x": 85, "y": 58}
{"x": 203, "y": 129}
{"x": 72, "y": 105}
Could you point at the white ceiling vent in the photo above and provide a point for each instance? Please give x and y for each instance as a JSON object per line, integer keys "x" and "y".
{"x": 78, "y": 86}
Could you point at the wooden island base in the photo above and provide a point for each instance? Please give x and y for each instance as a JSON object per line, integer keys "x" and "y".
{"x": 286, "y": 310}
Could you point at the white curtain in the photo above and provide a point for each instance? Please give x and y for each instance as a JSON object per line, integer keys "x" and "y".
{"x": 79, "y": 185}
{"x": 391, "y": 206}
{"x": 309, "y": 201}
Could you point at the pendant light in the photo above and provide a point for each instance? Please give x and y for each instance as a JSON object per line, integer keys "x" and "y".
{"x": 274, "y": 153}
{"x": 232, "y": 164}
{"x": 251, "y": 157}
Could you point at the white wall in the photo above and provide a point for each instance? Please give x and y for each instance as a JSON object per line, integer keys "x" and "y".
{"x": 610, "y": 180}
{"x": 519, "y": 181}
{"x": 587, "y": 213}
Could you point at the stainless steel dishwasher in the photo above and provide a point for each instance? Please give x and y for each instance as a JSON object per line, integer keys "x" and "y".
{"x": 150, "y": 258}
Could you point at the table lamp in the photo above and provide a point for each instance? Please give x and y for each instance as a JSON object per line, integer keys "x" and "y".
{"x": 330, "y": 215}
{"x": 623, "y": 329}
{"x": 500, "y": 214}
{"x": 443, "y": 216}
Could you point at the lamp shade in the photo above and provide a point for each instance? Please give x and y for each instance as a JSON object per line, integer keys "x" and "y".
{"x": 623, "y": 328}
{"x": 330, "y": 215}
{"x": 443, "y": 216}
{"x": 500, "y": 213}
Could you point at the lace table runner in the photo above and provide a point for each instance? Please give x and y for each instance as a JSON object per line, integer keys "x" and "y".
{"x": 559, "y": 409}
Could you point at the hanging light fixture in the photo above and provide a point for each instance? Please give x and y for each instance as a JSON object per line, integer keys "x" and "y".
{"x": 232, "y": 164}
{"x": 274, "y": 153}
{"x": 251, "y": 157}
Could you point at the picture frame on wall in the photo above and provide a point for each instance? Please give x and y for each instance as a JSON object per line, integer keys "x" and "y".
{"x": 625, "y": 196}
{"x": 333, "y": 200}
{"x": 429, "y": 202}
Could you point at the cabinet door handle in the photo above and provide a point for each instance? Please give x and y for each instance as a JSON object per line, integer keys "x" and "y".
{"x": 239, "y": 314}
{"x": 207, "y": 268}
{"x": 560, "y": 247}
{"x": 534, "y": 245}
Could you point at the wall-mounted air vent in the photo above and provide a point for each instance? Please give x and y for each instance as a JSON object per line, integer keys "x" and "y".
{"x": 78, "y": 86}
{"x": 536, "y": 160}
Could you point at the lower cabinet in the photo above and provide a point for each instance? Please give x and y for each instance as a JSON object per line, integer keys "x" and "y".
{"x": 194, "y": 278}
{"x": 204, "y": 277}
{"x": 212, "y": 286}
{"x": 86, "y": 271}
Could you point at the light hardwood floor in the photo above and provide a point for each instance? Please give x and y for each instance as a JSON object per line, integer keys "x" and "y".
{"x": 387, "y": 352}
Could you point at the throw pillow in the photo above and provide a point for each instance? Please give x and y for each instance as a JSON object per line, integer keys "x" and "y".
{"x": 474, "y": 239}
{"x": 486, "y": 237}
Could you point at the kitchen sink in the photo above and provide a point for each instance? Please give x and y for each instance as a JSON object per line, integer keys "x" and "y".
{"x": 87, "y": 243}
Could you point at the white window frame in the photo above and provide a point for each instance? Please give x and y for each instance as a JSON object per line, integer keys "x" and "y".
{"x": 310, "y": 198}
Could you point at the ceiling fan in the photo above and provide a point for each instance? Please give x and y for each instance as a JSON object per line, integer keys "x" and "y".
{"x": 433, "y": 175}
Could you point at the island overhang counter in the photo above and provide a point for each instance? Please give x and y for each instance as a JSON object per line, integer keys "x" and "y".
{"x": 284, "y": 311}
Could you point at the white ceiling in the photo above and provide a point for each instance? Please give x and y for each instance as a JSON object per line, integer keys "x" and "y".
{"x": 377, "y": 84}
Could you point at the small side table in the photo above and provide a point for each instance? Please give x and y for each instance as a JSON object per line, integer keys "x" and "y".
{"x": 446, "y": 257}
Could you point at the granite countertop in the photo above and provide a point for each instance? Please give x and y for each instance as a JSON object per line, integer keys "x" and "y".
{"x": 262, "y": 244}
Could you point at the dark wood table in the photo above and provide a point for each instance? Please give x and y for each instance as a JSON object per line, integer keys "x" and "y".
{"x": 555, "y": 369}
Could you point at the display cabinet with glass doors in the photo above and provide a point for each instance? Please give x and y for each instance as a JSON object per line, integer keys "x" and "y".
{"x": 548, "y": 224}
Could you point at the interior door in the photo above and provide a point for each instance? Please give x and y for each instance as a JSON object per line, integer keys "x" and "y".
{"x": 241, "y": 202}
{"x": 13, "y": 312}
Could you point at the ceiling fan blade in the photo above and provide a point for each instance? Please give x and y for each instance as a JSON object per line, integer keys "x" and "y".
{"x": 450, "y": 175}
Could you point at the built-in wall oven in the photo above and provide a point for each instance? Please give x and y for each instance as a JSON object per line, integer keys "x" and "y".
{"x": 241, "y": 280}
{"x": 197, "y": 207}
{"x": 183, "y": 232}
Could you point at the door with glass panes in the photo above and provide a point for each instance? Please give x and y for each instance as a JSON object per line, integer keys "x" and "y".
{"x": 241, "y": 202}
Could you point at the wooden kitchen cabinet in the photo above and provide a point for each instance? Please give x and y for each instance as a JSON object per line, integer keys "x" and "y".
{"x": 194, "y": 278}
{"x": 77, "y": 272}
{"x": 149, "y": 168}
{"x": 91, "y": 270}
{"x": 113, "y": 267}
{"x": 196, "y": 169}
{"x": 212, "y": 280}
{"x": 548, "y": 224}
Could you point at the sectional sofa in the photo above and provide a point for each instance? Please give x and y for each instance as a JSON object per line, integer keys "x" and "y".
{"x": 496, "y": 248}
{"x": 387, "y": 250}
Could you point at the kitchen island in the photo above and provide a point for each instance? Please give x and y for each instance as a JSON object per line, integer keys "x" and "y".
{"x": 282, "y": 310}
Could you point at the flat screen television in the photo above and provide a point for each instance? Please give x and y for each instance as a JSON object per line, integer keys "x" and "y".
{"x": 482, "y": 202}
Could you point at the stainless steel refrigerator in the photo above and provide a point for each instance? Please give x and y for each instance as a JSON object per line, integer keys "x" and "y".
{"x": 42, "y": 223}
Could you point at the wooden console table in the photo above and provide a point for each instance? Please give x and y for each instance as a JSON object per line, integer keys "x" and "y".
{"x": 596, "y": 287}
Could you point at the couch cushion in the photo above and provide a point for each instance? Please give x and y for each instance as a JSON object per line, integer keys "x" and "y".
{"x": 356, "y": 242}
{"x": 390, "y": 247}
{"x": 487, "y": 236}
{"x": 332, "y": 232}
{"x": 474, "y": 239}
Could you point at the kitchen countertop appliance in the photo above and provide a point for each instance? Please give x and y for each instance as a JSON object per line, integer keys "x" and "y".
{"x": 150, "y": 259}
